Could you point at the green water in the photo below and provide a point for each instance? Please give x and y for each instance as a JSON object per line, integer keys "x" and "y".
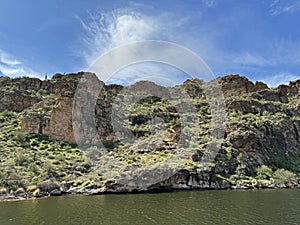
{"x": 196, "y": 207}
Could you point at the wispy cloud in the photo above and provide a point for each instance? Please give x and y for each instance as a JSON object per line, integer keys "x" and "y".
{"x": 278, "y": 7}
{"x": 285, "y": 51}
{"x": 248, "y": 59}
{"x": 280, "y": 78}
{"x": 209, "y": 3}
{"x": 12, "y": 67}
{"x": 8, "y": 59}
{"x": 105, "y": 31}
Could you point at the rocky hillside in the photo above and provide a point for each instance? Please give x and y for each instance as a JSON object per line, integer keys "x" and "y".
{"x": 139, "y": 138}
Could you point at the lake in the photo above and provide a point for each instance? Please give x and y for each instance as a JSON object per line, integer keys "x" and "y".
{"x": 280, "y": 206}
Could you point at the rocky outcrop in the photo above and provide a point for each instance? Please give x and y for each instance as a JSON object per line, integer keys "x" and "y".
{"x": 238, "y": 85}
{"x": 56, "y": 120}
{"x": 17, "y": 101}
{"x": 291, "y": 90}
{"x": 262, "y": 127}
{"x": 16, "y": 94}
{"x": 52, "y": 116}
{"x": 245, "y": 97}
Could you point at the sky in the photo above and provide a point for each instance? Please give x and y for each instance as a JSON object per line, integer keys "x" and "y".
{"x": 259, "y": 39}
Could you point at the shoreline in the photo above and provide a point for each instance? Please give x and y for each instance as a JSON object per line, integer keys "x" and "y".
{"x": 90, "y": 192}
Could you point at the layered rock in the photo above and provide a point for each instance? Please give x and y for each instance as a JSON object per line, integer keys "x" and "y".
{"x": 263, "y": 124}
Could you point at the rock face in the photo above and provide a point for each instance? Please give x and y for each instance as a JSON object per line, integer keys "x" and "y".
{"x": 263, "y": 124}
{"x": 15, "y": 94}
{"x": 53, "y": 116}
{"x": 237, "y": 85}
{"x": 59, "y": 125}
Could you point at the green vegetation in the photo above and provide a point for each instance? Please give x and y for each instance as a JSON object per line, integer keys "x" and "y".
{"x": 261, "y": 146}
{"x": 264, "y": 174}
{"x": 27, "y": 160}
{"x": 263, "y": 177}
{"x": 287, "y": 162}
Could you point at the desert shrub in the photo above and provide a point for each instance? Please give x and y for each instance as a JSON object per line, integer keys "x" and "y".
{"x": 20, "y": 136}
{"x": 21, "y": 159}
{"x": 282, "y": 176}
{"x": 291, "y": 163}
{"x": 264, "y": 172}
{"x": 7, "y": 114}
{"x": 14, "y": 181}
{"x": 34, "y": 168}
{"x": 233, "y": 179}
{"x": 50, "y": 169}
{"x": 110, "y": 144}
{"x": 42, "y": 138}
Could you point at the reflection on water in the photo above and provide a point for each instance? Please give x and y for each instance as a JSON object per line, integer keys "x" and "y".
{"x": 196, "y": 207}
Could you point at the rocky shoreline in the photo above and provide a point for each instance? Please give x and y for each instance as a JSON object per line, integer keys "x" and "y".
{"x": 183, "y": 180}
{"x": 99, "y": 191}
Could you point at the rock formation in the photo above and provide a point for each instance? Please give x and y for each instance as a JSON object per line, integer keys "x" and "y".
{"x": 262, "y": 127}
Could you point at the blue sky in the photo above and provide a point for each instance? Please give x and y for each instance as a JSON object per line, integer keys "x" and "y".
{"x": 256, "y": 38}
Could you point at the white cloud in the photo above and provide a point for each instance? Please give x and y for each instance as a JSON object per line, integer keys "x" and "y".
{"x": 280, "y": 78}
{"x": 8, "y": 59}
{"x": 105, "y": 31}
{"x": 155, "y": 72}
{"x": 12, "y": 67}
{"x": 278, "y": 7}
{"x": 249, "y": 59}
{"x": 278, "y": 53}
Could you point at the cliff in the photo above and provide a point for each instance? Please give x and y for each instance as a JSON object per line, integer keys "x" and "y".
{"x": 139, "y": 130}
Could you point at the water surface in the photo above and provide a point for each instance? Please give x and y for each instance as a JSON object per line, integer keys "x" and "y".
{"x": 195, "y": 207}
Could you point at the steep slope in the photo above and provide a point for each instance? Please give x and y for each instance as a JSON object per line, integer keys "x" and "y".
{"x": 146, "y": 140}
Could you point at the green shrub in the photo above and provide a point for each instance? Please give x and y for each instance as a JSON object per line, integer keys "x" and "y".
{"x": 21, "y": 159}
{"x": 110, "y": 144}
{"x": 282, "y": 176}
{"x": 20, "y": 136}
{"x": 263, "y": 172}
{"x": 34, "y": 168}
